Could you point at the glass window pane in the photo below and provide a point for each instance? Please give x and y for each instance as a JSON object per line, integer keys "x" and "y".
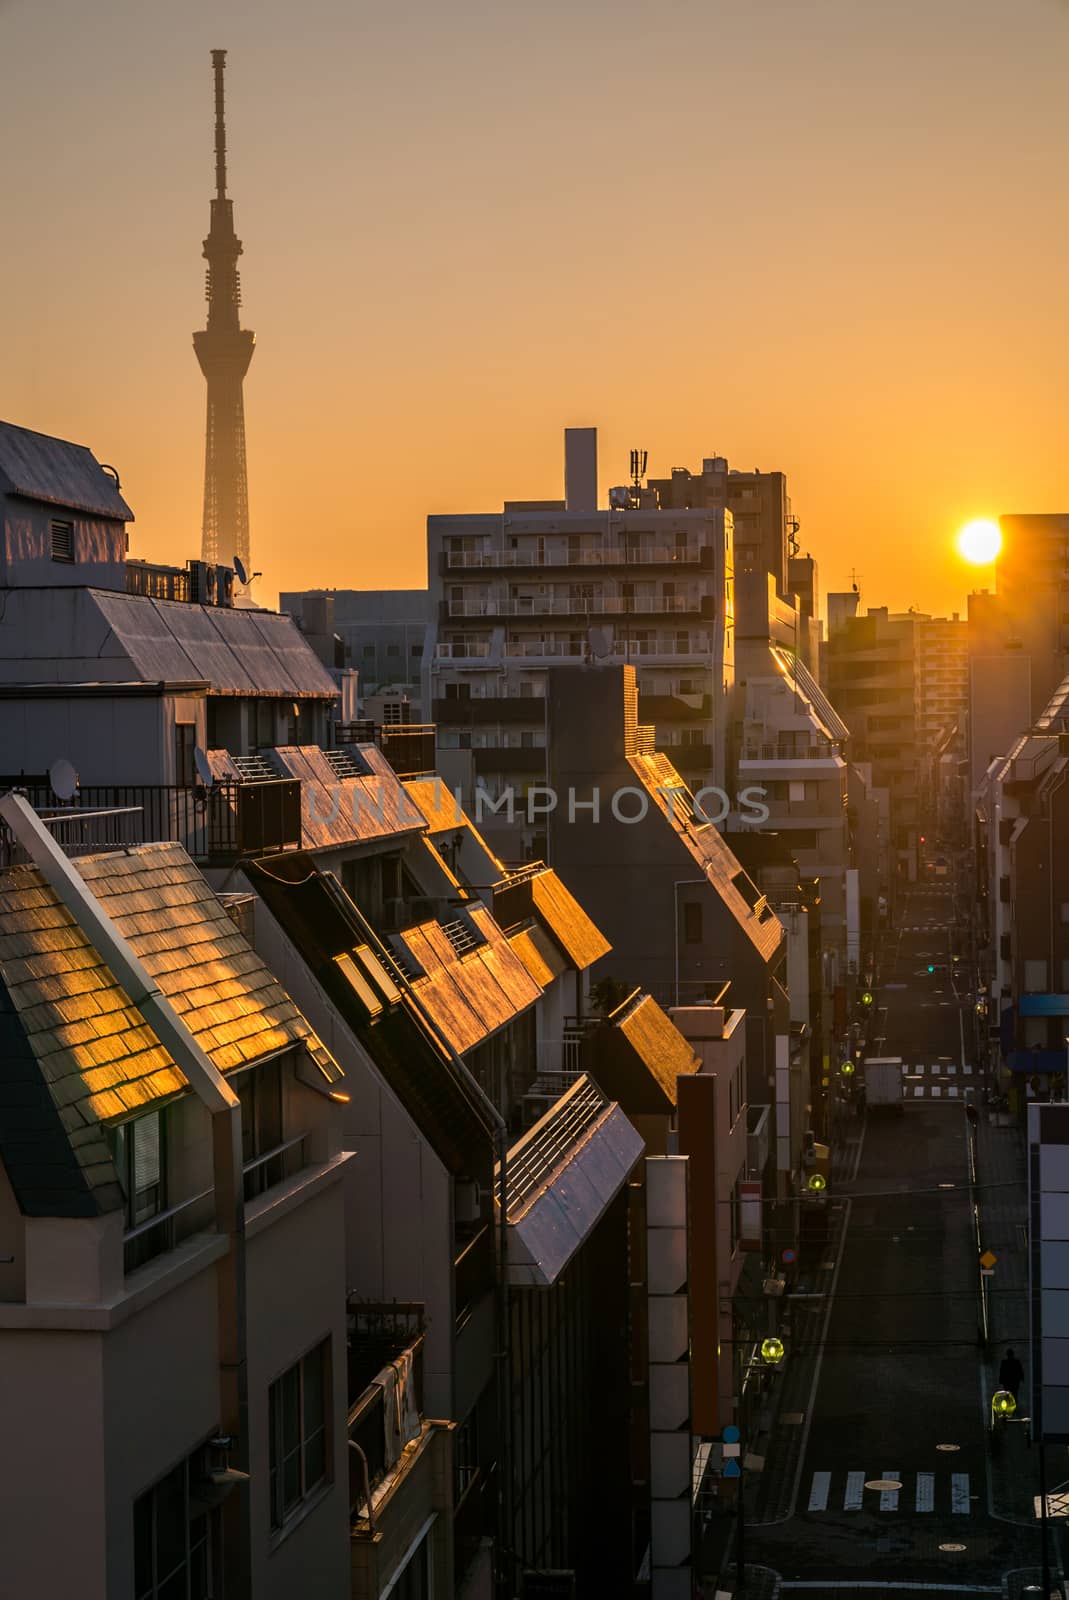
{"x": 313, "y": 1418}
{"x": 315, "y": 1459}
{"x": 143, "y": 1571}
{"x": 147, "y": 1159}
{"x": 170, "y": 1497}
{"x": 291, "y": 1480}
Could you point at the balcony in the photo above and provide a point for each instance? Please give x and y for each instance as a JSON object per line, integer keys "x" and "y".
{"x": 473, "y": 1273}
{"x": 600, "y": 555}
{"x": 462, "y": 650}
{"x": 595, "y": 605}
{"x": 512, "y": 758}
{"x": 488, "y": 710}
{"x": 545, "y": 648}
{"x": 217, "y": 825}
{"x": 385, "y": 1368}
{"x": 407, "y": 746}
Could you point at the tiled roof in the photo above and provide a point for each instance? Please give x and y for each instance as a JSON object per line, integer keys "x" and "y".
{"x": 100, "y": 1059}
{"x": 38, "y": 467}
{"x": 442, "y": 810}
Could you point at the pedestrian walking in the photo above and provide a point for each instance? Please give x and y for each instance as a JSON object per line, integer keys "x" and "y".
{"x": 1010, "y": 1373}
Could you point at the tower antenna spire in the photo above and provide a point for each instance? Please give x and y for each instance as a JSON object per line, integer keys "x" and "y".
{"x": 224, "y": 349}
{"x": 219, "y": 67}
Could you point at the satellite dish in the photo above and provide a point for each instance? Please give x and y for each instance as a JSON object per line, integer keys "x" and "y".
{"x": 64, "y": 780}
{"x": 203, "y": 766}
{"x": 239, "y": 568}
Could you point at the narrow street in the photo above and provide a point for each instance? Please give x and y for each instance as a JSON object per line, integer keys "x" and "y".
{"x": 892, "y": 1377}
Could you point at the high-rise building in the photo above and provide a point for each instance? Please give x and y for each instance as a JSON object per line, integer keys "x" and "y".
{"x": 541, "y": 582}
{"x": 943, "y": 671}
{"x": 224, "y": 350}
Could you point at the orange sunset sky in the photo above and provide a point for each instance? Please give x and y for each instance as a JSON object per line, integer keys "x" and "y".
{"x": 829, "y": 237}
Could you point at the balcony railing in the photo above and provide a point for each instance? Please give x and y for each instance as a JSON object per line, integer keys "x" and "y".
{"x": 595, "y": 556}
{"x": 754, "y": 751}
{"x": 462, "y": 650}
{"x": 167, "y": 1229}
{"x": 598, "y": 605}
{"x": 407, "y": 746}
{"x": 216, "y": 824}
{"x": 473, "y": 1273}
{"x": 545, "y": 647}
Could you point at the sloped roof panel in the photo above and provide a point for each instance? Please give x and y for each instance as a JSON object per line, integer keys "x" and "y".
{"x": 39, "y": 467}
{"x": 236, "y": 652}
{"x": 802, "y": 680}
{"x": 539, "y": 954}
{"x": 337, "y": 811}
{"x": 580, "y": 938}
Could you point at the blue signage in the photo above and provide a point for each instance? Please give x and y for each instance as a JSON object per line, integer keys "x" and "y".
{"x": 1044, "y": 1005}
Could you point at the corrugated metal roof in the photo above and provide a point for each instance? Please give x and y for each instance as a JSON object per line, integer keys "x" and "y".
{"x": 338, "y": 811}
{"x": 709, "y": 850}
{"x": 580, "y": 939}
{"x": 39, "y": 467}
{"x": 470, "y": 996}
{"x": 636, "y": 1057}
{"x": 99, "y": 1058}
{"x": 539, "y": 954}
{"x": 442, "y": 809}
{"x": 563, "y": 1175}
{"x": 236, "y": 652}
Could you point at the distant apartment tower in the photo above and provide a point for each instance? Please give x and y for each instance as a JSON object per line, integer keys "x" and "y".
{"x": 1032, "y": 599}
{"x": 380, "y": 632}
{"x": 943, "y": 671}
{"x": 541, "y": 583}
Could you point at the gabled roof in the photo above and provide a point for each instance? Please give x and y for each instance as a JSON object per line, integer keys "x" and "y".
{"x": 96, "y": 1057}
{"x": 36, "y": 466}
{"x": 235, "y": 652}
{"x": 538, "y": 953}
{"x": 337, "y": 811}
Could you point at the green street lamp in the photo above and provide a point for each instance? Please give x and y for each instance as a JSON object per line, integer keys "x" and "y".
{"x": 847, "y": 1069}
{"x": 1003, "y": 1405}
{"x": 866, "y": 998}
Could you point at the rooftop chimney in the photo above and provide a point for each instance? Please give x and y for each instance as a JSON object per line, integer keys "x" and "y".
{"x": 581, "y": 469}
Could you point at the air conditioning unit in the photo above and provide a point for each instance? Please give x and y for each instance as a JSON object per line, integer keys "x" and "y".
{"x": 466, "y": 1207}
{"x": 224, "y": 586}
{"x": 202, "y": 583}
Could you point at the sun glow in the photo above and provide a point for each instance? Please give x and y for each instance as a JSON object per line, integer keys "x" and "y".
{"x": 980, "y": 542}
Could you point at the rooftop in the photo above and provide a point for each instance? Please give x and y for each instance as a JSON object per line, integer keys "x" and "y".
{"x": 35, "y": 466}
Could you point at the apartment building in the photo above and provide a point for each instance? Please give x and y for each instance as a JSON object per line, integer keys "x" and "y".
{"x": 172, "y": 1282}
{"x": 377, "y": 633}
{"x": 943, "y": 673}
{"x": 513, "y": 593}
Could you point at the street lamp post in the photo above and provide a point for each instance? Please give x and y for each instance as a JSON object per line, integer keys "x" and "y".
{"x": 771, "y": 1354}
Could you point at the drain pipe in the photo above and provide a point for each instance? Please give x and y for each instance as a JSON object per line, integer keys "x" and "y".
{"x": 223, "y": 1107}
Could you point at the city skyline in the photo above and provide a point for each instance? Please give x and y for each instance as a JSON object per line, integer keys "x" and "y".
{"x": 456, "y": 253}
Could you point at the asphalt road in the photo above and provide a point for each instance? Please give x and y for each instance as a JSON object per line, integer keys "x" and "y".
{"x": 896, "y": 1391}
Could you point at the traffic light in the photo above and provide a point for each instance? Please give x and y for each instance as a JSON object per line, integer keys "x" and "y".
{"x": 930, "y": 967}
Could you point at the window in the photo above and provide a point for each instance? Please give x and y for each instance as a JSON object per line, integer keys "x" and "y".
{"x": 185, "y": 739}
{"x": 1035, "y": 977}
{"x": 139, "y": 1152}
{"x": 176, "y": 1550}
{"x": 62, "y": 541}
{"x": 298, "y": 1433}
{"x": 692, "y": 922}
{"x": 796, "y": 791}
{"x": 465, "y": 1456}
{"x": 416, "y": 651}
{"x": 413, "y": 1581}
{"x": 368, "y": 650}
{"x": 260, "y": 1093}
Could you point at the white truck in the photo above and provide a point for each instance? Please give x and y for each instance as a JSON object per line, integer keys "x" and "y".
{"x": 883, "y": 1083}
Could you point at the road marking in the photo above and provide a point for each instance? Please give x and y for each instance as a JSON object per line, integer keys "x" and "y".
{"x": 818, "y": 1493}
{"x": 959, "y": 1493}
{"x": 926, "y": 1491}
{"x": 855, "y": 1491}
{"x": 889, "y": 1497}
{"x": 904, "y": 1588}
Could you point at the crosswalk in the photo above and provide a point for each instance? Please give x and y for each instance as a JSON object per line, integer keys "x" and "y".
{"x": 891, "y": 1491}
{"x": 936, "y": 1080}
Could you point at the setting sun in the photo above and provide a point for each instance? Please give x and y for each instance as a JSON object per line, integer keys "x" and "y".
{"x": 980, "y": 542}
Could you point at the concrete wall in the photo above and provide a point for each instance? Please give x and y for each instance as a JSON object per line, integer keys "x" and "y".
{"x": 398, "y": 1195}
{"x": 26, "y": 548}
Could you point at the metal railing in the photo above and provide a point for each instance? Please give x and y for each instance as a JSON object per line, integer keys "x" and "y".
{"x": 222, "y": 822}
{"x": 367, "y": 1431}
{"x": 473, "y": 1273}
{"x": 596, "y": 556}
{"x": 754, "y": 751}
{"x": 544, "y": 647}
{"x": 462, "y": 650}
{"x": 532, "y": 1160}
{"x": 577, "y": 606}
{"x": 282, "y": 1161}
{"x": 166, "y": 1230}
{"x": 409, "y": 747}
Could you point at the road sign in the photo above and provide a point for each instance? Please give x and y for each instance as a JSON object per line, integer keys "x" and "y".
{"x": 732, "y": 1452}
{"x": 731, "y": 1434}
{"x": 787, "y": 1256}
{"x": 732, "y": 1469}
{"x": 988, "y": 1259}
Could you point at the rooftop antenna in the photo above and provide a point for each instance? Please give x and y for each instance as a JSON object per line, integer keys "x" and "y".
{"x": 638, "y": 468}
